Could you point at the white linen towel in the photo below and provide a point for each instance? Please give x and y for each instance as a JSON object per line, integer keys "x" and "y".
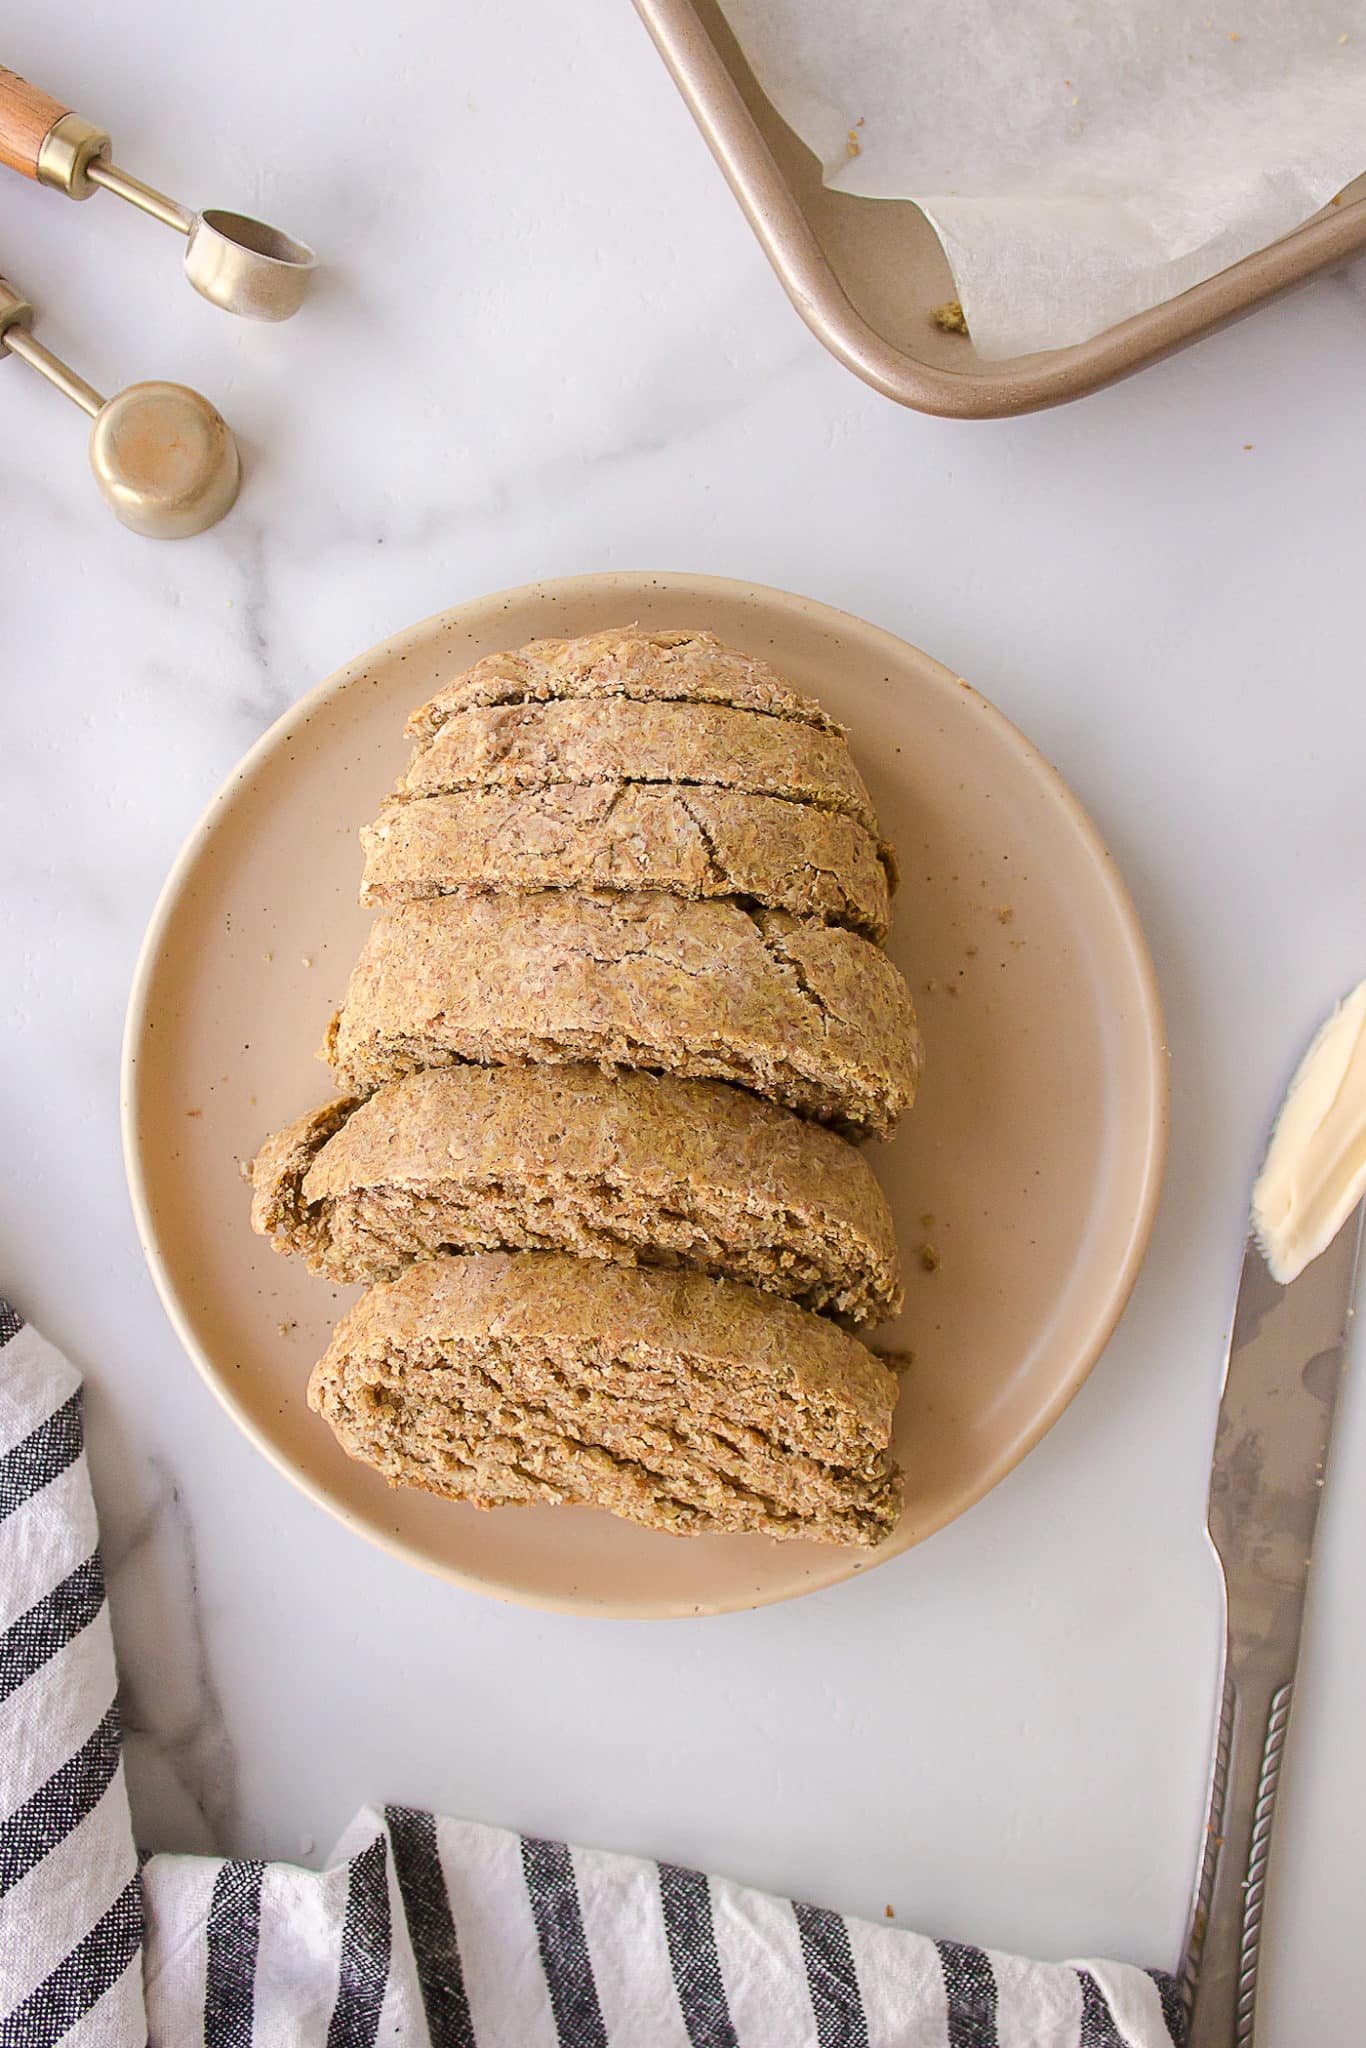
{"x": 421, "y": 1930}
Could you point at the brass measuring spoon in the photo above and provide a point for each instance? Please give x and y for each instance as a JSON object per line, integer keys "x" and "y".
{"x": 163, "y": 457}
{"x": 237, "y": 263}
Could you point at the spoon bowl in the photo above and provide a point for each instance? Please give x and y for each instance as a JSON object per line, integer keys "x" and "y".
{"x": 165, "y": 460}
{"x": 246, "y": 266}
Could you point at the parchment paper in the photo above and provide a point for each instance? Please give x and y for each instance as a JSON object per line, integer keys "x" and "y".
{"x": 1078, "y": 162}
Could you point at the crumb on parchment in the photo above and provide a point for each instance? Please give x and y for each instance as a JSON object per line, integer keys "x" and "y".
{"x": 930, "y": 1260}
{"x": 950, "y": 317}
{"x": 1004, "y": 914}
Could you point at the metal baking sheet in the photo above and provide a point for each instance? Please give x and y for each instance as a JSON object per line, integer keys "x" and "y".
{"x": 865, "y": 274}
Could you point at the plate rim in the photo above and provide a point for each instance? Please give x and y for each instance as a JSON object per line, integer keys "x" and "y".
{"x": 1156, "y": 1078}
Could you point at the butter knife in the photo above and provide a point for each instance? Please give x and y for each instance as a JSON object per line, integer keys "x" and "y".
{"x": 1285, "y": 1360}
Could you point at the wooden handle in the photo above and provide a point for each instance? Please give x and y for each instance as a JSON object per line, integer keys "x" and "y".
{"x": 25, "y": 117}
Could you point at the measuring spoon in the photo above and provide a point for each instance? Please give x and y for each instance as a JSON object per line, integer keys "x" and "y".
{"x": 163, "y": 457}
{"x": 236, "y": 262}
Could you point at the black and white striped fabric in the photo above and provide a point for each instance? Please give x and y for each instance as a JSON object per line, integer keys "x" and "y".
{"x": 70, "y": 1904}
{"x": 421, "y": 1930}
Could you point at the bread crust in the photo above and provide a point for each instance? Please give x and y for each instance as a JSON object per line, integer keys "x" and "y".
{"x": 681, "y": 839}
{"x": 681, "y": 1402}
{"x": 633, "y": 1167}
{"x": 613, "y": 740}
{"x": 808, "y": 1015}
{"x": 681, "y": 665}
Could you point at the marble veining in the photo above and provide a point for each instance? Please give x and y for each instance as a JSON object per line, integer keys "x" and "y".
{"x": 181, "y": 1768}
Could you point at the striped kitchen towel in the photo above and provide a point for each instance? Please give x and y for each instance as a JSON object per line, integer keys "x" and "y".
{"x": 420, "y": 1930}
{"x": 70, "y": 1904}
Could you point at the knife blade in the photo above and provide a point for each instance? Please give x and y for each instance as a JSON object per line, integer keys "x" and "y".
{"x": 1285, "y": 1360}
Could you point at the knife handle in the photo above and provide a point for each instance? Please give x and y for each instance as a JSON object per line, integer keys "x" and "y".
{"x": 1223, "y": 1940}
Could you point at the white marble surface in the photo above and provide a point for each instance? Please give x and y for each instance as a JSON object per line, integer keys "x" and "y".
{"x": 546, "y": 342}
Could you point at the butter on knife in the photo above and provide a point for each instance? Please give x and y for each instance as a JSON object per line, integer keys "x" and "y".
{"x": 1314, "y": 1173}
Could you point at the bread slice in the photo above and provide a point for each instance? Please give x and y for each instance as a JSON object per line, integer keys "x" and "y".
{"x": 625, "y": 835}
{"x": 639, "y": 1168}
{"x": 684, "y": 667}
{"x": 688, "y": 1404}
{"x": 533, "y": 746}
{"x": 807, "y": 1015}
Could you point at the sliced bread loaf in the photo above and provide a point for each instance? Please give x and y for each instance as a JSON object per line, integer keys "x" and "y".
{"x": 688, "y": 1404}
{"x": 626, "y": 835}
{"x": 808, "y": 1015}
{"x": 667, "y": 667}
{"x": 640, "y": 1168}
{"x": 532, "y": 746}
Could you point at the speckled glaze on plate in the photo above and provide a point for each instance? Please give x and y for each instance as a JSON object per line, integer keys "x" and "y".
{"x": 1036, "y": 1147}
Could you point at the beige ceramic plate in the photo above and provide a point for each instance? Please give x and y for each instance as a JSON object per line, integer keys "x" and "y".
{"x": 1036, "y": 1147}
